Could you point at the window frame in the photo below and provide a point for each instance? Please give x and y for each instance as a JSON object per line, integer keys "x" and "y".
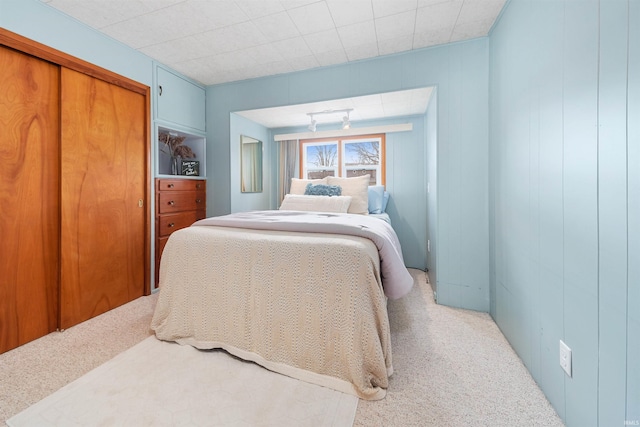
{"x": 341, "y": 142}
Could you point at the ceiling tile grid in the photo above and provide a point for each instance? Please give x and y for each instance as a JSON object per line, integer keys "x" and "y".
{"x": 218, "y": 41}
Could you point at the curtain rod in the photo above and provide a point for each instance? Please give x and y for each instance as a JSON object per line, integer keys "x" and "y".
{"x": 403, "y": 127}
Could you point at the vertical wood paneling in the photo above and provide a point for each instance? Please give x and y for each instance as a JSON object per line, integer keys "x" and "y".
{"x": 580, "y": 188}
{"x": 29, "y": 207}
{"x": 575, "y": 242}
{"x": 612, "y": 210}
{"x": 633, "y": 206}
{"x": 549, "y": 280}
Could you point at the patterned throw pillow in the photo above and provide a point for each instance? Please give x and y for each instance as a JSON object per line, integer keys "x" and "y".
{"x": 323, "y": 190}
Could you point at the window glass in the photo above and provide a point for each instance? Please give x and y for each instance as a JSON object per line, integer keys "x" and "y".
{"x": 345, "y": 157}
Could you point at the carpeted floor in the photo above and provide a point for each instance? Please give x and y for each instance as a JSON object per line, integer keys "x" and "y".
{"x": 452, "y": 367}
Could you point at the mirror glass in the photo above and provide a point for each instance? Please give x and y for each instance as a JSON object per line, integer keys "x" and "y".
{"x": 250, "y": 164}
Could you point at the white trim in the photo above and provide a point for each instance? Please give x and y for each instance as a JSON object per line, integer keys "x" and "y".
{"x": 403, "y": 127}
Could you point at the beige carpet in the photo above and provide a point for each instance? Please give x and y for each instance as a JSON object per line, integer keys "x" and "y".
{"x": 156, "y": 383}
{"x": 452, "y": 367}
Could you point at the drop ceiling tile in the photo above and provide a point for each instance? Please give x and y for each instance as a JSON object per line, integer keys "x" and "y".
{"x": 312, "y": 18}
{"x": 263, "y": 54}
{"x": 292, "y": 4}
{"x": 350, "y": 12}
{"x": 437, "y": 17}
{"x": 258, "y": 8}
{"x": 304, "y": 63}
{"x": 398, "y": 44}
{"x": 363, "y": 51}
{"x": 278, "y": 26}
{"x": 431, "y": 38}
{"x": 470, "y": 30}
{"x": 479, "y": 10}
{"x": 403, "y": 96}
{"x": 383, "y": 8}
{"x": 196, "y": 68}
{"x": 324, "y": 41}
{"x": 199, "y": 15}
{"x": 394, "y": 26}
{"x": 292, "y": 48}
{"x": 234, "y": 37}
{"x": 357, "y": 34}
{"x": 179, "y": 50}
{"x": 331, "y": 57}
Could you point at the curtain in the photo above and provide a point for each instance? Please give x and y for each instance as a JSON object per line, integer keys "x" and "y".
{"x": 288, "y": 159}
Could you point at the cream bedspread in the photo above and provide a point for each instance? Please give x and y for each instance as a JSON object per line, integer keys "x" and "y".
{"x": 307, "y": 305}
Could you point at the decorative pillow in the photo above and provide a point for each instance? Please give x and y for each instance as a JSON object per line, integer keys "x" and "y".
{"x": 376, "y": 198}
{"x": 357, "y": 188}
{"x": 323, "y": 190}
{"x": 385, "y": 200}
{"x": 296, "y": 202}
{"x": 298, "y": 186}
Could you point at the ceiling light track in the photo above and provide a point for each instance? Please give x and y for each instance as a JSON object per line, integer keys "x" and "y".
{"x": 346, "y": 122}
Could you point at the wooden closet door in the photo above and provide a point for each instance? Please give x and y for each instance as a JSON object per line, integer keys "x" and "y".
{"x": 29, "y": 198}
{"x": 103, "y": 172}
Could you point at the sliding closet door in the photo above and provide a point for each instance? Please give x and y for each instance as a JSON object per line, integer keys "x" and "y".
{"x": 29, "y": 198}
{"x": 103, "y": 149}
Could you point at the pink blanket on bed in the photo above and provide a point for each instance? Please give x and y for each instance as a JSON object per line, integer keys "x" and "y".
{"x": 396, "y": 280}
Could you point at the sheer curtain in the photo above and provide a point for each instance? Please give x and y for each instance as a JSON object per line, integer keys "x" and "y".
{"x": 288, "y": 159}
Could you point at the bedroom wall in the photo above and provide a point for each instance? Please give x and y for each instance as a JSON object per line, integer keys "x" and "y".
{"x": 405, "y": 165}
{"x": 242, "y": 202}
{"x": 460, "y": 72}
{"x": 565, "y": 200}
{"x": 37, "y": 21}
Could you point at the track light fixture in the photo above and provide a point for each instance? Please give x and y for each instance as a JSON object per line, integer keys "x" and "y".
{"x": 346, "y": 123}
{"x": 312, "y": 125}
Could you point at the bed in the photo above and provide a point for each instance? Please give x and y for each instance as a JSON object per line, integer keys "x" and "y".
{"x": 302, "y": 293}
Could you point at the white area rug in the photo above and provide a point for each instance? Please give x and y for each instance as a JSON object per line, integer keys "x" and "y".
{"x": 156, "y": 383}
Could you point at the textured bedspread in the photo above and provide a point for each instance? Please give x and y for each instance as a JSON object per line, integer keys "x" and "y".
{"x": 396, "y": 280}
{"x": 307, "y": 305}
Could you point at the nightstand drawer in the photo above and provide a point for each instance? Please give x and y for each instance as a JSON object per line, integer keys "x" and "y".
{"x": 170, "y": 201}
{"x": 169, "y": 223}
{"x": 180, "y": 185}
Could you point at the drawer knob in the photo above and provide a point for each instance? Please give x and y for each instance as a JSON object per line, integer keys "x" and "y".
{"x": 170, "y": 186}
{"x": 171, "y": 203}
{"x": 171, "y": 225}
{"x": 198, "y": 200}
{"x": 197, "y": 185}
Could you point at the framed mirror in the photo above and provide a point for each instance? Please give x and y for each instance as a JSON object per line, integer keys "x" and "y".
{"x": 250, "y": 164}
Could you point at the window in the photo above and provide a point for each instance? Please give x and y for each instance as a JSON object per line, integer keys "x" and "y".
{"x": 344, "y": 157}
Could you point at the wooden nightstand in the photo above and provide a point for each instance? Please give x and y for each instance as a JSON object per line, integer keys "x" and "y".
{"x": 179, "y": 203}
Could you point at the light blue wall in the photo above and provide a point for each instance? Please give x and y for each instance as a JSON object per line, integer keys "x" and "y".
{"x": 461, "y": 73}
{"x": 565, "y": 190}
{"x": 405, "y": 178}
{"x": 243, "y": 202}
{"x": 37, "y": 21}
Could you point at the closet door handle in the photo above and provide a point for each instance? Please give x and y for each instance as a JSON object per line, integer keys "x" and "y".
{"x": 160, "y": 90}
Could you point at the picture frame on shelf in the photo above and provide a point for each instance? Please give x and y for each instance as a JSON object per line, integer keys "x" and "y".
{"x": 190, "y": 168}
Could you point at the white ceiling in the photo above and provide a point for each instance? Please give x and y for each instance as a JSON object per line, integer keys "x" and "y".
{"x": 378, "y": 106}
{"x": 217, "y": 41}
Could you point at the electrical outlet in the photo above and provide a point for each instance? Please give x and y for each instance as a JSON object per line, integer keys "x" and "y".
{"x": 428, "y": 245}
{"x": 565, "y": 358}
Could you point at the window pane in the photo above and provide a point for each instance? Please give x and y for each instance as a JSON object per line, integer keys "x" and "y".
{"x": 318, "y": 156}
{"x": 362, "y": 153}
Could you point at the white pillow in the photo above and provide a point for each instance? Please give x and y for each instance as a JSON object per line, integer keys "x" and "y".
{"x": 299, "y": 185}
{"x": 296, "y": 202}
{"x": 356, "y": 187}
